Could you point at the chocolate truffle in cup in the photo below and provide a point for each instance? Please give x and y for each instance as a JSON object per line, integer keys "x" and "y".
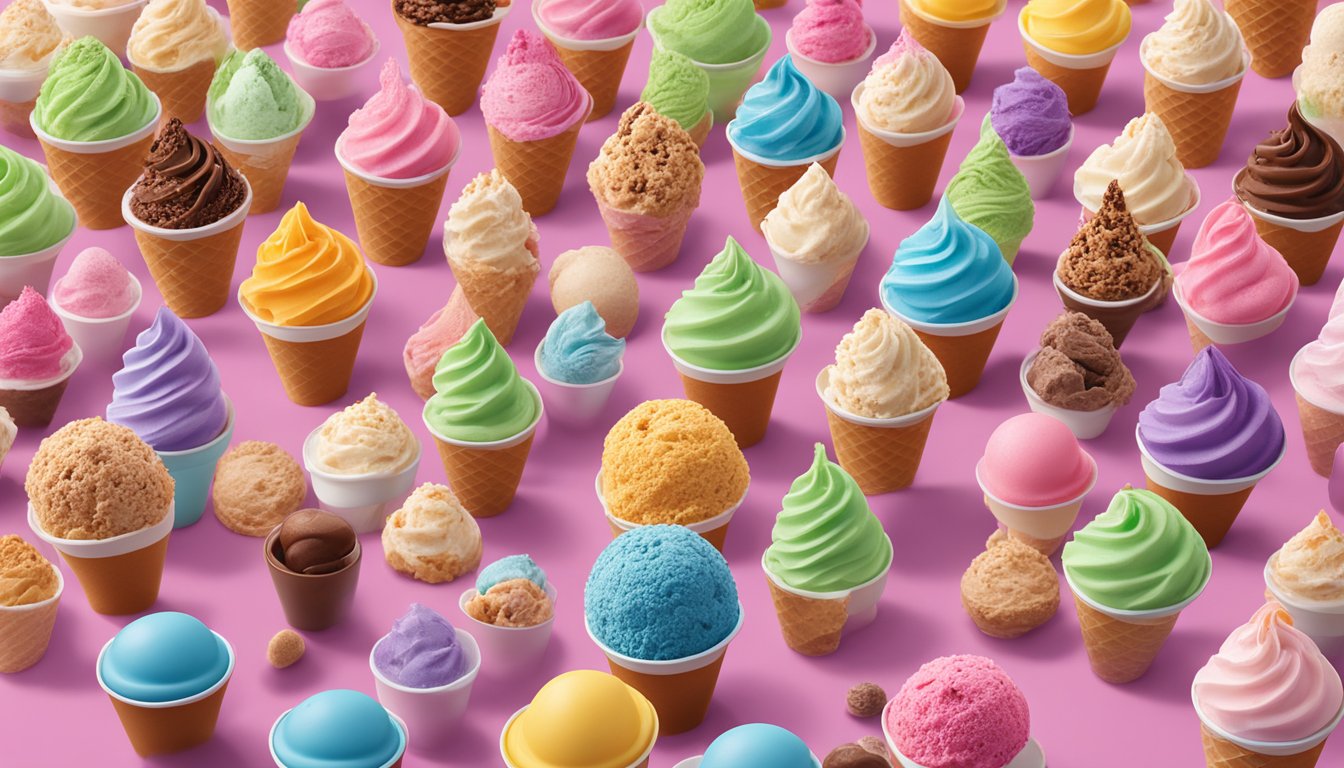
{"x": 313, "y": 557}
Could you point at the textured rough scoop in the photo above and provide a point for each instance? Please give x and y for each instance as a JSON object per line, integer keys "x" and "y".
{"x": 479, "y": 396}
{"x": 1233, "y": 276}
{"x": 89, "y": 96}
{"x": 421, "y": 651}
{"x": 426, "y": 12}
{"x": 1320, "y": 79}
{"x": 1034, "y": 460}
{"x": 511, "y": 603}
{"x": 815, "y": 223}
{"x": 26, "y": 577}
{"x": 1010, "y": 585}
{"x": 1296, "y": 173}
{"x": 908, "y": 90}
{"x": 959, "y": 712}
{"x": 251, "y": 98}
{"x": 487, "y": 226}
{"x": 432, "y": 536}
{"x": 650, "y": 165}
{"x": 1197, "y": 44}
{"x": 671, "y": 461}
{"x": 1108, "y": 259}
{"x": 96, "y": 286}
{"x": 676, "y": 88}
{"x": 1078, "y": 367}
{"x": 577, "y": 348}
{"x": 855, "y": 755}
{"x": 33, "y": 217}
{"x": 171, "y": 35}
{"x": 1030, "y": 114}
{"x": 94, "y": 480}
{"x": 29, "y": 35}
{"x": 1143, "y": 159}
{"x": 786, "y": 118}
{"x": 365, "y": 437}
{"x": 1310, "y": 565}
{"x": 398, "y": 133}
{"x": 883, "y": 370}
{"x": 710, "y": 31}
{"x": 989, "y": 192}
{"x": 328, "y": 34}
{"x": 1319, "y": 370}
{"x": 187, "y": 183}
{"x": 531, "y": 95}
{"x": 831, "y": 31}
{"x": 33, "y": 341}
{"x": 314, "y": 542}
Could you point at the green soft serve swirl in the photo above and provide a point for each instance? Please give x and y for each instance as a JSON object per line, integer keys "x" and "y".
{"x": 32, "y": 217}
{"x": 825, "y": 538}
{"x": 1139, "y": 555}
{"x": 737, "y": 315}
{"x": 89, "y": 96}
{"x": 479, "y": 396}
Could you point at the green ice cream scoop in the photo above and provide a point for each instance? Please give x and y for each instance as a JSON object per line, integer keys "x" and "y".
{"x": 252, "y": 99}
{"x": 677, "y": 88}
{"x": 826, "y": 539}
{"x": 89, "y": 96}
{"x": 710, "y": 31}
{"x": 32, "y": 217}
{"x": 479, "y": 396}
{"x": 1141, "y": 554}
{"x": 989, "y": 192}
{"x": 738, "y": 315}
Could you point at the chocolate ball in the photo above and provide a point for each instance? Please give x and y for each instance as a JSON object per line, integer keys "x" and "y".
{"x": 315, "y": 542}
{"x": 866, "y": 700}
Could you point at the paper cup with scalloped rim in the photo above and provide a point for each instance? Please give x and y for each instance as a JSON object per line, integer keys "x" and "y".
{"x": 507, "y": 651}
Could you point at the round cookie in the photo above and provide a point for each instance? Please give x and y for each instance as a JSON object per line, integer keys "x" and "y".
{"x": 257, "y": 485}
{"x": 597, "y": 274}
{"x": 1010, "y": 588}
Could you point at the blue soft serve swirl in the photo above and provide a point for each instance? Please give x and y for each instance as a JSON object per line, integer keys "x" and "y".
{"x": 786, "y": 118}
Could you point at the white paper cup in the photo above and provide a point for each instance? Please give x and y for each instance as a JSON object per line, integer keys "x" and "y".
{"x": 18, "y": 91}
{"x": 309, "y": 333}
{"x": 1085, "y": 425}
{"x": 102, "y": 338}
{"x": 265, "y": 147}
{"x": 727, "y": 82}
{"x": 359, "y": 499}
{"x": 816, "y": 286}
{"x": 429, "y": 714}
{"x": 574, "y": 405}
{"x": 1042, "y": 172}
{"x": 32, "y": 269}
{"x": 836, "y": 78}
{"x": 1223, "y": 333}
{"x": 1047, "y": 522}
{"x": 329, "y": 83}
{"x": 862, "y": 599}
{"x": 507, "y": 651}
{"x": 713, "y": 529}
{"x": 908, "y": 139}
{"x": 1194, "y": 485}
{"x": 640, "y": 762}
{"x": 1272, "y": 748}
{"x": 1322, "y": 621}
{"x": 110, "y": 25}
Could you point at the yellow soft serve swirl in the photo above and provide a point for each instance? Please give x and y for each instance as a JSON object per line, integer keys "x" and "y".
{"x": 1076, "y": 27}
{"x": 307, "y": 274}
{"x": 175, "y": 34}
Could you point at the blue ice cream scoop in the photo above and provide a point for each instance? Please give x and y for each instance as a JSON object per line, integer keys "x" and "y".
{"x": 164, "y": 657}
{"x": 758, "y": 745}
{"x": 337, "y": 729}
{"x": 577, "y": 348}
{"x": 508, "y": 569}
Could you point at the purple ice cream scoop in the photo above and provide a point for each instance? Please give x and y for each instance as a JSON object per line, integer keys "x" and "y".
{"x": 168, "y": 389}
{"x": 421, "y": 651}
{"x": 1030, "y": 114}
{"x": 1213, "y": 424}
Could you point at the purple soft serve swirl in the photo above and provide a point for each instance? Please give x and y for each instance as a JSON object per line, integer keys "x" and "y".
{"x": 1030, "y": 114}
{"x": 168, "y": 390}
{"x": 1213, "y": 424}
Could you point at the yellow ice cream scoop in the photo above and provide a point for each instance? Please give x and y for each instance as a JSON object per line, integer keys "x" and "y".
{"x": 1076, "y": 27}
{"x": 584, "y": 717}
{"x": 957, "y": 10}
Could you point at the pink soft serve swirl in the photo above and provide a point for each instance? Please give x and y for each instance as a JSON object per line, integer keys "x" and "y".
{"x": 1319, "y": 370}
{"x": 398, "y": 133}
{"x": 1233, "y": 276}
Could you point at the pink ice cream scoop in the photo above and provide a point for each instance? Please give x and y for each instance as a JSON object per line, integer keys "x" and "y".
{"x": 1034, "y": 460}
{"x": 531, "y": 96}
{"x": 442, "y": 330}
{"x": 96, "y": 286}
{"x": 1233, "y": 276}
{"x": 398, "y": 133}
{"x": 327, "y": 34}
{"x": 33, "y": 342}
{"x": 959, "y": 712}
{"x": 1269, "y": 682}
{"x": 590, "y": 19}
{"x": 831, "y": 31}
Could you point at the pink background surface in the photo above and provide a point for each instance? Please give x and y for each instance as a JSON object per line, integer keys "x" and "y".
{"x": 55, "y": 714}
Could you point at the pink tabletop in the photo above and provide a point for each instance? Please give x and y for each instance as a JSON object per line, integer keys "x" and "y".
{"x": 55, "y": 714}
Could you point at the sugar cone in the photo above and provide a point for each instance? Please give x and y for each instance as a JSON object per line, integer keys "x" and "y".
{"x": 33, "y": 407}
{"x": 744, "y": 407}
{"x": 647, "y": 243}
{"x": 1275, "y": 32}
{"x": 14, "y": 117}
{"x": 536, "y": 169}
{"x": 902, "y": 178}
{"x": 164, "y": 730}
{"x": 266, "y": 171}
{"x": 25, "y": 634}
{"x": 963, "y": 357}
{"x": 681, "y": 700}
{"x": 765, "y": 5}
{"x": 1211, "y": 515}
{"x": 448, "y": 64}
{"x": 1306, "y": 252}
{"x": 495, "y": 295}
{"x": 699, "y": 132}
{"x": 485, "y": 480}
{"x": 1198, "y": 122}
{"x": 1323, "y": 431}
{"x": 599, "y": 72}
{"x": 315, "y": 372}
{"x": 256, "y": 23}
{"x": 880, "y": 459}
{"x": 1220, "y": 753}
{"x": 811, "y": 627}
{"x": 957, "y": 48}
{"x": 1121, "y": 650}
{"x": 122, "y": 584}
{"x": 763, "y": 184}
{"x": 1198, "y": 340}
{"x": 192, "y": 275}
{"x": 1081, "y": 86}
{"x": 394, "y": 223}
{"x": 182, "y": 92}
{"x": 94, "y": 183}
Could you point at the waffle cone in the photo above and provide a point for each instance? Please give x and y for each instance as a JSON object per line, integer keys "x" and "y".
{"x": 14, "y": 117}
{"x": 1211, "y": 515}
{"x": 763, "y": 5}
{"x": 681, "y": 700}
{"x": 536, "y": 168}
{"x": 1198, "y": 339}
{"x": 646, "y": 242}
{"x": 880, "y": 459}
{"x": 24, "y": 636}
{"x": 1306, "y": 252}
{"x": 315, "y": 372}
{"x": 1219, "y": 753}
{"x": 256, "y": 23}
{"x": 811, "y": 627}
{"x": 902, "y": 178}
{"x": 266, "y": 172}
{"x": 33, "y": 407}
{"x": 1046, "y": 547}
{"x": 1323, "y": 431}
{"x": 497, "y": 296}
{"x": 124, "y": 584}
{"x": 448, "y": 64}
{"x": 763, "y": 184}
{"x": 599, "y": 72}
{"x": 963, "y": 357}
{"x": 1198, "y": 122}
{"x": 1081, "y": 86}
{"x": 164, "y": 730}
{"x": 744, "y": 407}
{"x": 192, "y": 275}
{"x": 94, "y": 183}
{"x": 484, "y": 479}
{"x": 394, "y": 223}
{"x": 699, "y": 132}
{"x": 1275, "y": 32}
{"x": 957, "y": 48}
{"x": 182, "y": 91}
{"x": 1120, "y": 650}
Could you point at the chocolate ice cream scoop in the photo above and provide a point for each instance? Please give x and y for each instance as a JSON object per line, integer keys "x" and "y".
{"x": 1078, "y": 367}
{"x": 854, "y": 756}
{"x": 316, "y": 542}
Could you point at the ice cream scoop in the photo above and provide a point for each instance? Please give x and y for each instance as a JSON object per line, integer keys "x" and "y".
{"x": 677, "y": 88}
{"x": 1143, "y": 160}
{"x": 815, "y": 222}
{"x": 908, "y": 90}
{"x": 175, "y": 34}
{"x": 432, "y": 536}
{"x": 590, "y": 19}
{"x": 337, "y": 725}
{"x": 33, "y": 342}
{"x": 531, "y": 96}
{"x": 164, "y": 657}
{"x": 95, "y": 286}
{"x": 831, "y": 31}
{"x": 1310, "y": 565}
{"x": 959, "y": 711}
{"x": 187, "y": 183}
{"x": 710, "y": 31}
{"x": 1078, "y": 367}
{"x": 577, "y": 348}
{"x": 28, "y": 35}
{"x": 1318, "y": 370}
{"x": 583, "y": 717}
{"x": 989, "y": 192}
{"x": 1108, "y": 258}
{"x": 1076, "y": 27}
{"x": 26, "y": 577}
{"x": 328, "y": 34}
{"x": 442, "y": 330}
{"x": 597, "y": 274}
{"x": 363, "y": 438}
{"x": 33, "y": 217}
{"x": 89, "y": 96}
{"x": 316, "y": 542}
{"x": 1198, "y": 44}
{"x": 398, "y": 133}
{"x": 883, "y": 370}
{"x": 421, "y": 651}
{"x": 512, "y": 603}
{"x": 1296, "y": 173}
{"x": 510, "y": 568}
{"x": 1033, "y": 460}
{"x": 251, "y": 98}
{"x": 1030, "y": 114}
{"x": 479, "y": 396}
{"x": 785, "y": 118}
{"x": 426, "y": 12}
{"x": 757, "y": 745}
{"x": 487, "y": 226}
{"x": 1233, "y": 276}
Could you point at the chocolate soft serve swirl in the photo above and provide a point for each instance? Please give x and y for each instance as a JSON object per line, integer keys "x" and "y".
{"x": 187, "y": 183}
{"x": 1297, "y": 173}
